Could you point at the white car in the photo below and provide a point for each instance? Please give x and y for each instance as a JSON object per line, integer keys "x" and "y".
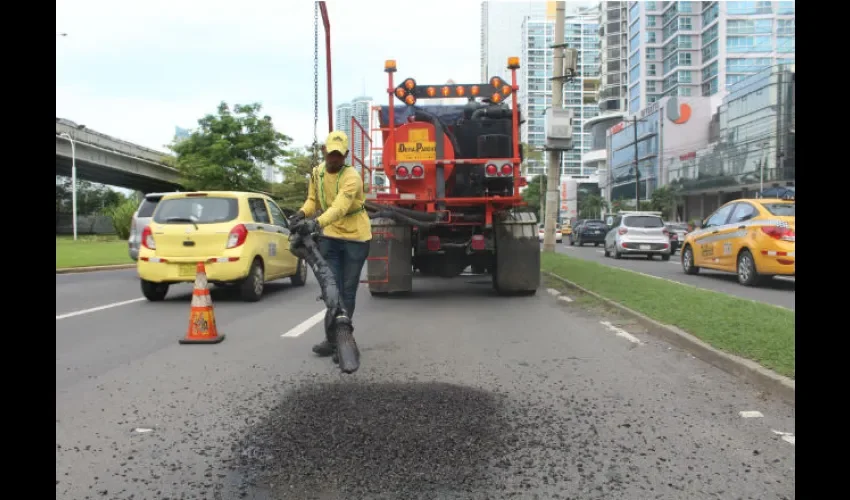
{"x": 638, "y": 233}
{"x": 558, "y": 236}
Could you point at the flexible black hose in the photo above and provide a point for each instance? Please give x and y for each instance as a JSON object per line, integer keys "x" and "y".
{"x": 401, "y": 218}
{"x": 413, "y": 214}
{"x": 337, "y": 321}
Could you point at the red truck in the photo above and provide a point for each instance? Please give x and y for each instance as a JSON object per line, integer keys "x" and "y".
{"x": 453, "y": 198}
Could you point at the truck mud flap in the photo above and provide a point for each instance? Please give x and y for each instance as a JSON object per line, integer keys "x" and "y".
{"x": 389, "y": 268}
{"x": 517, "y": 254}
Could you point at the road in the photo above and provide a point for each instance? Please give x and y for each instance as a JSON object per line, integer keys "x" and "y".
{"x": 461, "y": 394}
{"x": 778, "y": 291}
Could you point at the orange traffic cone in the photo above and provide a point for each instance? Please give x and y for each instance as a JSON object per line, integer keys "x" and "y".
{"x": 202, "y": 329}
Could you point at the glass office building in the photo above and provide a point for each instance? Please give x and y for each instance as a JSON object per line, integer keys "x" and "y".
{"x": 580, "y": 95}
{"x": 691, "y": 48}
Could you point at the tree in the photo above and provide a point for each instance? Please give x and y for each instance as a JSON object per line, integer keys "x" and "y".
{"x": 227, "y": 149}
{"x": 664, "y": 200}
{"x": 292, "y": 192}
{"x": 591, "y": 206}
{"x": 532, "y": 193}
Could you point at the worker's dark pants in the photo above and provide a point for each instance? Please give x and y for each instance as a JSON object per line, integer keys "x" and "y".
{"x": 346, "y": 259}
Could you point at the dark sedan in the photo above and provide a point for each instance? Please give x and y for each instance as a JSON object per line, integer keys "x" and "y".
{"x": 590, "y": 231}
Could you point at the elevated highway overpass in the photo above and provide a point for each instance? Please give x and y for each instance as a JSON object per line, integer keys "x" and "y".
{"x": 108, "y": 160}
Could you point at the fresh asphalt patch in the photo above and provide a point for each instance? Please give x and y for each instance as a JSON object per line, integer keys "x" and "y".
{"x": 375, "y": 440}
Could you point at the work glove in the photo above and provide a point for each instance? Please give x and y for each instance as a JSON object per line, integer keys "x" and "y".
{"x": 306, "y": 227}
{"x": 296, "y": 218}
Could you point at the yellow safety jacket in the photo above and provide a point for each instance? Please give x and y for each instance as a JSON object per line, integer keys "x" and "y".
{"x": 342, "y": 201}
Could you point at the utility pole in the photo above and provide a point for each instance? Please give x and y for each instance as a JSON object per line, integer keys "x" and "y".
{"x": 637, "y": 170}
{"x": 554, "y": 174}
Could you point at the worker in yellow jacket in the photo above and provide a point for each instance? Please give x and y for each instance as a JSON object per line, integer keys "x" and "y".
{"x": 336, "y": 196}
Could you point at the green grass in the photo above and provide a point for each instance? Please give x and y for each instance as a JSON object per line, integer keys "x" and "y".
{"x": 90, "y": 251}
{"x": 760, "y": 332}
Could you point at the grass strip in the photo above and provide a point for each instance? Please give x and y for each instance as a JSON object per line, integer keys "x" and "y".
{"x": 90, "y": 251}
{"x": 752, "y": 330}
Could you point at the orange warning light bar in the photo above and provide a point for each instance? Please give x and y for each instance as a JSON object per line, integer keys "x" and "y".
{"x": 496, "y": 85}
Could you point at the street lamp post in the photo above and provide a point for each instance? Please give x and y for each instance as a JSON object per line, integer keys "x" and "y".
{"x": 73, "y": 181}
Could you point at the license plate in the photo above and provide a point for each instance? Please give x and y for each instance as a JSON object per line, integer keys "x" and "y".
{"x": 186, "y": 269}
{"x": 644, "y": 247}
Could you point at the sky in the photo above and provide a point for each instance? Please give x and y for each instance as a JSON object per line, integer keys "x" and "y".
{"x": 135, "y": 70}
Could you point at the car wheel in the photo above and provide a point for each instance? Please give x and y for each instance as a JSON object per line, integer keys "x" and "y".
{"x": 154, "y": 292}
{"x": 300, "y": 277}
{"x": 252, "y": 286}
{"x": 747, "y": 273}
{"x": 617, "y": 252}
{"x": 596, "y": 244}
{"x": 665, "y": 257}
{"x": 605, "y": 251}
{"x": 688, "y": 261}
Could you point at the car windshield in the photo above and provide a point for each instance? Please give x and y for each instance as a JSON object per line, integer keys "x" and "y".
{"x": 781, "y": 209}
{"x": 196, "y": 210}
{"x": 595, "y": 223}
{"x": 647, "y": 221}
{"x": 677, "y": 227}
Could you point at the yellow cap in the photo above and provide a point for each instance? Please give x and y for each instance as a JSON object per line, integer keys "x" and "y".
{"x": 337, "y": 141}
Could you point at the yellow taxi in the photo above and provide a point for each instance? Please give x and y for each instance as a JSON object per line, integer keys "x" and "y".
{"x": 242, "y": 239}
{"x": 566, "y": 230}
{"x": 754, "y": 238}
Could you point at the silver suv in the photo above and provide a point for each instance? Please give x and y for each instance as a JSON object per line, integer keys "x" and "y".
{"x": 637, "y": 233}
{"x": 142, "y": 218}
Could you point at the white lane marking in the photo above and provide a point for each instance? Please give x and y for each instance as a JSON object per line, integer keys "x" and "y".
{"x": 305, "y": 325}
{"x": 751, "y": 414}
{"x": 788, "y": 437}
{"x": 620, "y": 332}
{"x": 600, "y": 251}
{"x": 564, "y": 298}
{"x": 552, "y": 291}
{"x": 98, "y": 308}
{"x": 142, "y": 430}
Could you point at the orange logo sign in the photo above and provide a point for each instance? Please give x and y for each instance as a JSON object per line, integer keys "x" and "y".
{"x": 678, "y": 113}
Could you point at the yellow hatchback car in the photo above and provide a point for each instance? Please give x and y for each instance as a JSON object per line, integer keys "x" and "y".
{"x": 242, "y": 239}
{"x": 754, "y": 238}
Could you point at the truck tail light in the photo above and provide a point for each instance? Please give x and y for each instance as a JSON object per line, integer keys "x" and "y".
{"x": 237, "y": 236}
{"x": 478, "y": 242}
{"x": 147, "y": 238}
{"x": 417, "y": 172}
{"x": 491, "y": 170}
{"x": 402, "y": 173}
{"x": 433, "y": 243}
{"x": 507, "y": 170}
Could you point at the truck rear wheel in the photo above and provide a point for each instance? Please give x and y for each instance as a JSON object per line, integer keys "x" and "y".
{"x": 517, "y": 262}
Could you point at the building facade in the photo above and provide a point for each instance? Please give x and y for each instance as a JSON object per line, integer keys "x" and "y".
{"x": 755, "y": 147}
{"x": 670, "y": 126}
{"x": 580, "y": 94}
{"x": 691, "y": 48}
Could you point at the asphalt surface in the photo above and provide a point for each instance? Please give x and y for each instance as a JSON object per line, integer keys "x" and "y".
{"x": 461, "y": 395}
{"x": 779, "y": 291}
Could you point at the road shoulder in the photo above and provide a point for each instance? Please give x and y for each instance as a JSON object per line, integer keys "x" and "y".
{"x": 766, "y": 379}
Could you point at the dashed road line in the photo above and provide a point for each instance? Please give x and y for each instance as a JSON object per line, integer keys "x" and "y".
{"x": 553, "y": 292}
{"x": 564, "y": 298}
{"x": 750, "y": 414}
{"x": 305, "y": 325}
{"x": 620, "y": 332}
{"x": 788, "y": 437}
{"x": 98, "y": 308}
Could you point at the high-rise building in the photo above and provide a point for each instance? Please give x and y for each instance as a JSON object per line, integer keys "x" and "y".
{"x": 501, "y": 25}
{"x": 613, "y": 90}
{"x": 181, "y": 134}
{"x": 690, "y": 48}
{"x": 581, "y": 32}
{"x": 360, "y": 109}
